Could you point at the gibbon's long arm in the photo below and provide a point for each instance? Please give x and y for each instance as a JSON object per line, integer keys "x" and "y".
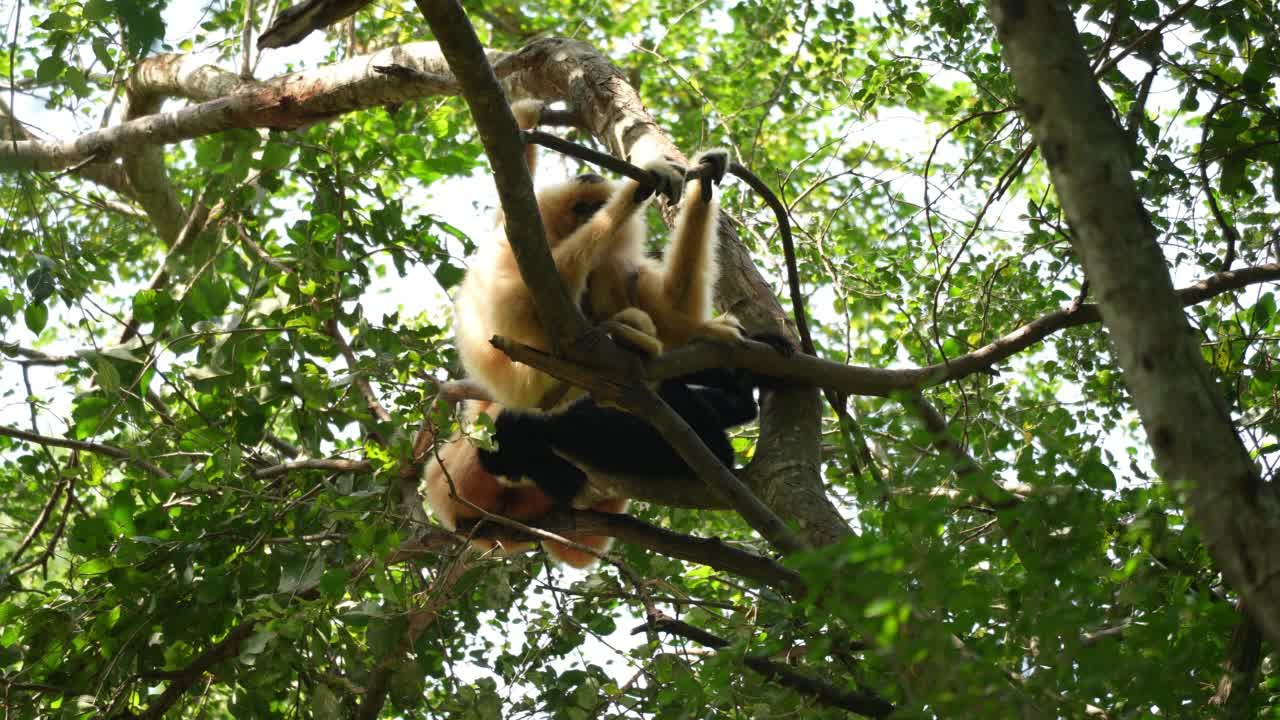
{"x": 690, "y": 270}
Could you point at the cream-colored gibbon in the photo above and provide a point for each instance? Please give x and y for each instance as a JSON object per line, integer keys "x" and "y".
{"x": 597, "y": 241}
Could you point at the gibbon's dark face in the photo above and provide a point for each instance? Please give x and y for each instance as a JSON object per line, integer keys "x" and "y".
{"x": 565, "y": 207}
{"x": 584, "y": 209}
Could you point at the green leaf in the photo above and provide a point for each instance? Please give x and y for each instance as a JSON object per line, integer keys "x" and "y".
{"x": 96, "y": 10}
{"x": 102, "y": 52}
{"x": 107, "y": 375}
{"x": 35, "y": 316}
{"x": 142, "y": 22}
{"x": 325, "y": 704}
{"x": 334, "y": 584}
{"x": 448, "y": 275}
{"x": 40, "y": 284}
{"x": 1234, "y": 176}
{"x": 89, "y": 536}
{"x": 276, "y": 155}
{"x": 49, "y": 69}
{"x": 1097, "y": 476}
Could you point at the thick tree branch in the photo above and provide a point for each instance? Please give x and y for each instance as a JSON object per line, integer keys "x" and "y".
{"x": 862, "y": 703}
{"x": 287, "y": 102}
{"x": 504, "y": 147}
{"x": 711, "y": 552}
{"x": 1186, "y": 419}
{"x": 1239, "y": 680}
{"x": 110, "y": 176}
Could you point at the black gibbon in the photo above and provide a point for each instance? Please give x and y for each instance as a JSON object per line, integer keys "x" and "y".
{"x": 545, "y": 461}
{"x": 558, "y": 452}
{"x": 597, "y": 241}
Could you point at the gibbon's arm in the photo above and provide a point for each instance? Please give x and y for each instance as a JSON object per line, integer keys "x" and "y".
{"x": 587, "y": 247}
{"x": 690, "y": 272}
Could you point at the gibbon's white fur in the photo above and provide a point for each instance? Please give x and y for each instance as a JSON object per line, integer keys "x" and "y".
{"x": 597, "y": 241}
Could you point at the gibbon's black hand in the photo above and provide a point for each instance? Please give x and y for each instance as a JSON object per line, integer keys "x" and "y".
{"x": 778, "y": 342}
{"x": 711, "y": 167}
{"x": 667, "y": 179}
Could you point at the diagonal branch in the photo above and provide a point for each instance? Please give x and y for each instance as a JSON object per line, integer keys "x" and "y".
{"x": 711, "y": 552}
{"x": 97, "y": 448}
{"x": 863, "y": 703}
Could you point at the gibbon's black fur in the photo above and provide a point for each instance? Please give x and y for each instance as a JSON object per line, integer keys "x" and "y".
{"x": 556, "y": 451}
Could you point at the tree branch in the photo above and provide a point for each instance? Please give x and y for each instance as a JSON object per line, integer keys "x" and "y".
{"x": 287, "y": 102}
{"x": 560, "y": 318}
{"x": 326, "y": 464}
{"x": 862, "y": 703}
{"x": 92, "y": 447}
{"x": 860, "y": 380}
{"x": 711, "y": 552}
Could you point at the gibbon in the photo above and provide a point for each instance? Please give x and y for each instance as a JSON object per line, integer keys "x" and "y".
{"x": 597, "y": 241}
{"x": 559, "y": 452}
{"x": 545, "y": 461}
{"x": 590, "y": 222}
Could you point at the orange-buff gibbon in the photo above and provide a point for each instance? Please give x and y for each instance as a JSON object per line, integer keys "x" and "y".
{"x": 597, "y": 241}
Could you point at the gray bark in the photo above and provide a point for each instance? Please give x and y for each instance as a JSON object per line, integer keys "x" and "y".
{"x": 1183, "y": 412}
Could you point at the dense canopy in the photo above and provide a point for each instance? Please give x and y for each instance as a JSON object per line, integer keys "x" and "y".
{"x": 1021, "y": 466}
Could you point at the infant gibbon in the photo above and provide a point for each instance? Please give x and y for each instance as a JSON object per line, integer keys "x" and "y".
{"x": 597, "y": 242}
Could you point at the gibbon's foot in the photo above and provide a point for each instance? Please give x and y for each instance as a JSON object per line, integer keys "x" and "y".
{"x": 633, "y": 328}
{"x": 725, "y": 328}
{"x": 716, "y": 163}
{"x": 667, "y": 179}
{"x": 528, "y": 112}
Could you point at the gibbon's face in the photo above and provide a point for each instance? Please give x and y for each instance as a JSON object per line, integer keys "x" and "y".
{"x": 565, "y": 207}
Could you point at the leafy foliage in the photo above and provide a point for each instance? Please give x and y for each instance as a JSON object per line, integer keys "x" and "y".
{"x": 926, "y": 228}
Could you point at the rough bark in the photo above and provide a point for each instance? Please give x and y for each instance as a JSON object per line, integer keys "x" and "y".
{"x": 1183, "y": 412}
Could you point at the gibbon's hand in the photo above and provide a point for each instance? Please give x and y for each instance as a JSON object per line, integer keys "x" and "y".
{"x": 778, "y": 342}
{"x": 528, "y": 113}
{"x": 710, "y": 166}
{"x": 668, "y": 179}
